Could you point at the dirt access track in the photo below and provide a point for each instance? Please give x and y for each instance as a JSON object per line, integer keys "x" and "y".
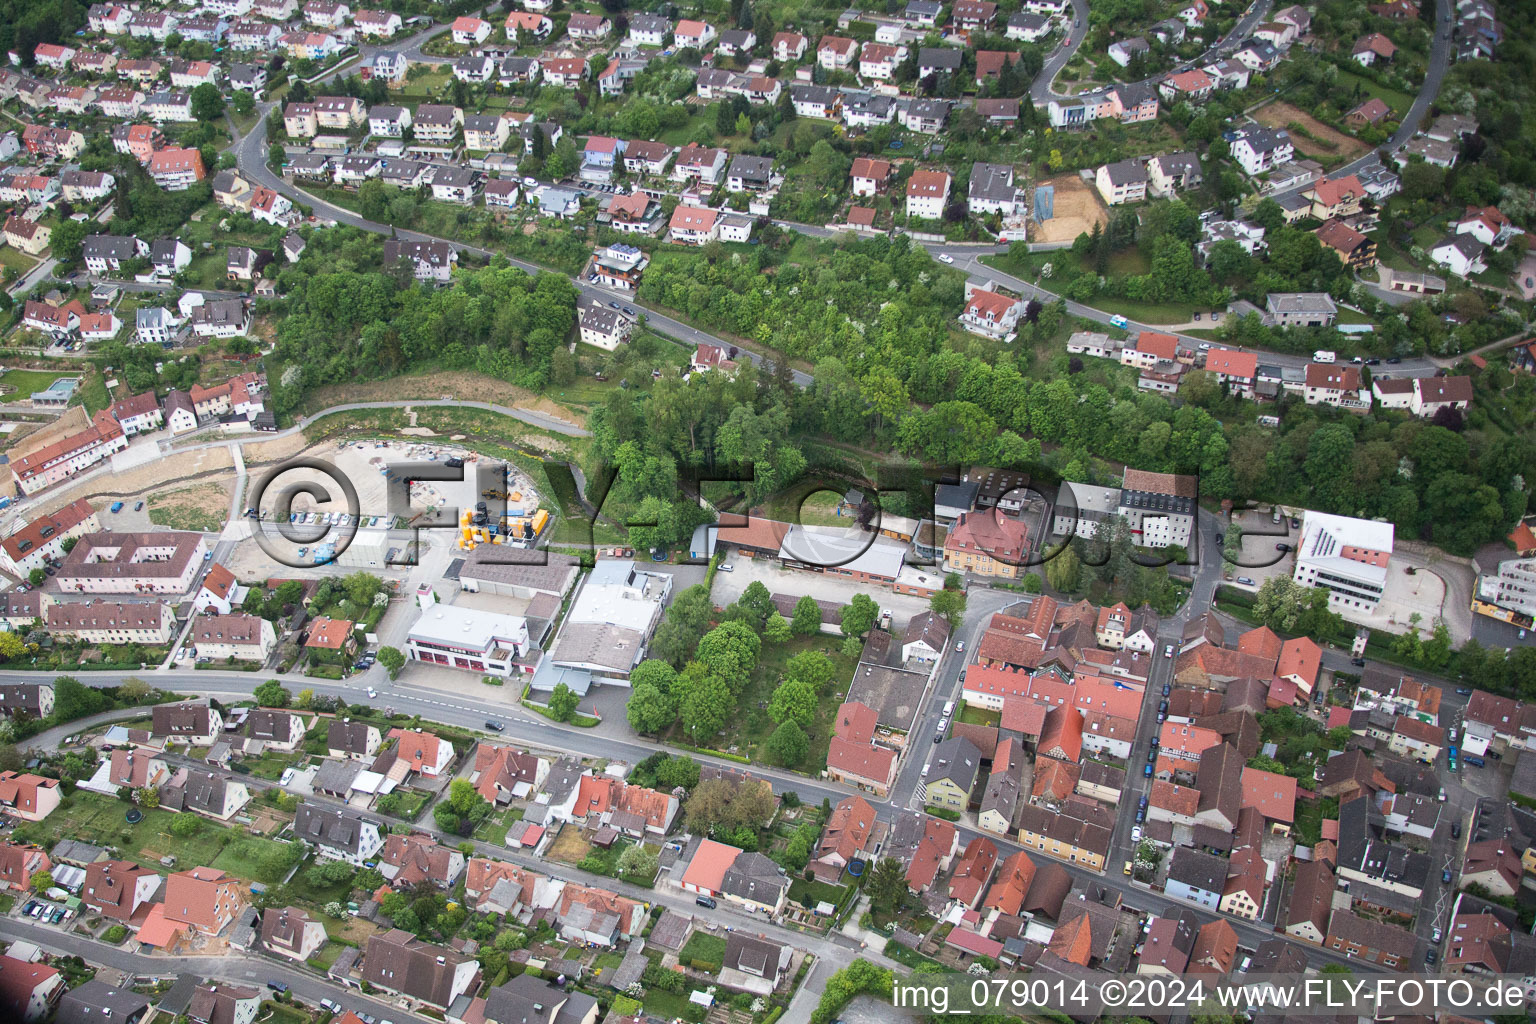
{"x": 1077, "y": 209}
{"x": 1326, "y": 143}
{"x": 463, "y": 386}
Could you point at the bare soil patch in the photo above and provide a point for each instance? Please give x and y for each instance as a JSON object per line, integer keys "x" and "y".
{"x": 1077, "y": 209}
{"x": 203, "y": 506}
{"x": 1325, "y": 142}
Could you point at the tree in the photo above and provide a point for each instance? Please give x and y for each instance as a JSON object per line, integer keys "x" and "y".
{"x": 272, "y": 694}
{"x": 66, "y": 241}
{"x": 185, "y": 826}
{"x": 329, "y": 873}
{"x": 807, "y": 620}
{"x": 243, "y": 102}
{"x": 36, "y": 577}
{"x": 639, "y": 861}
{"x": 392, "y": 659}
{"x": 11, "y": 646}
{"x": 133, "y": 689}
{"x": 147, "y": 797}
{"x": 777, "y": 629}
{"x": 756, "y": 603}
{"x": 729, "y": 651}
{"x": 811, "y": 667}
{"x": 42, "y": 881}
{"x": 789, "y": 745}
{"x": 678, "y": 635}
{"x": 706, "y": 705}
{"x": 207, "y": 102}
{"x": 73, "y": 699}
{"x": 563, "y": 702}
{"x": 949, "y": 605}
{"x": 649, "y": 710}
{"x": 793, "y": 701}
{"x": 887, "y": 884}
{"x": 678, "y": 771}
{"x": 1062, "y": 571}
{"x": 860, "y": 615}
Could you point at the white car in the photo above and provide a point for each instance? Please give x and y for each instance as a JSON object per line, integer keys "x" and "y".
{"x": 1136, "y": 834}
{"x": 945, "y": 257}
{"x": 372, "y": 693}
{"x": 960, "y": 647}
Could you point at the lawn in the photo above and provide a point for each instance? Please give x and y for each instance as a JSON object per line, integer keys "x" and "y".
{"x": 494, "y": 828}
{"x": 801, "y": 891}
{"x": 973, "y": 715}
{"x": 277, "y": 1013}
{"x": 20, "y": 261}
{"x": 271, "y": 766}
{"x": 1398, "y": 101}
{"x": 26, "y": 382}
{"x": 253, "y": 857}
{"x": 664, "y": 1005}
{"x": 704, "y": 951}
{"x": 95, "y": 818}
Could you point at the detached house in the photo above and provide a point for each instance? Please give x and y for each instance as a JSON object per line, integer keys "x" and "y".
{"x": 927, "y": 194}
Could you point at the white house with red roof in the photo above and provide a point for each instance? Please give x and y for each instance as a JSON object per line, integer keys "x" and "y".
{"x": 220, "y": 591}
{"x": 1488, "y": 225}
{"x": 469, "y": 31}
{"x": 697, "y": 34}
{"x": 711, "y": 357}
{"x": 991, "y": 314}
{"x": 1237, "y": 370}
{"x": 694, "y": 225}
{"x": 835, "y": 52}
{"x": 1150, "y": 348}
{"x": 425, "y": 752}
{"x": 377, "y": 24}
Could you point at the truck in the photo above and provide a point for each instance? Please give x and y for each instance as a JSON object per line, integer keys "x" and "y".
{"x": 1119, "y": 321}
{"x": 1322, "y": 355}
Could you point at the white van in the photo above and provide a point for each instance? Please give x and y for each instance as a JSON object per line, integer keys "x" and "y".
{"x": 1324, "y": 356}
{"x": 949, "y": 708}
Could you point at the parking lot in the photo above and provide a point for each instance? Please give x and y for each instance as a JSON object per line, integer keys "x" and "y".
{"x": 800, "y": 582}
{"x": 46, "y": 911}
{"x": 1259, "y": 558}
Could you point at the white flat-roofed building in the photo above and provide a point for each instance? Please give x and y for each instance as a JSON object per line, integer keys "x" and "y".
{"x": 1347, "y": 557}
{"x": 469, "y": 638}
{"x": 618, "y": 592}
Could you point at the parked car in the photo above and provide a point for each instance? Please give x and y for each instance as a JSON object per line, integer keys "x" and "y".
{"x": 1136, "y": 834}
{"x": 1445, "y": 876}
{"x": 1245, "y": 581}
{"x": 706, "y": 901}
{"x": 138, "y": 506}
{"x": 1146, "y": 770}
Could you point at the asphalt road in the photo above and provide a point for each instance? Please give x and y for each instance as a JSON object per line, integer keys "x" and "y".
{"x": 1439, "y": 61}
{"x": 235, "y": 967}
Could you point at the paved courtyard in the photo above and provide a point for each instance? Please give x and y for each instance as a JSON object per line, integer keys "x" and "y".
{"x": 800, "y": 582}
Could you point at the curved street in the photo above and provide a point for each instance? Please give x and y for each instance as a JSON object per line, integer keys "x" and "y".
{"x": 251, "y": 159}
{"x": 1044, "y": 88}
